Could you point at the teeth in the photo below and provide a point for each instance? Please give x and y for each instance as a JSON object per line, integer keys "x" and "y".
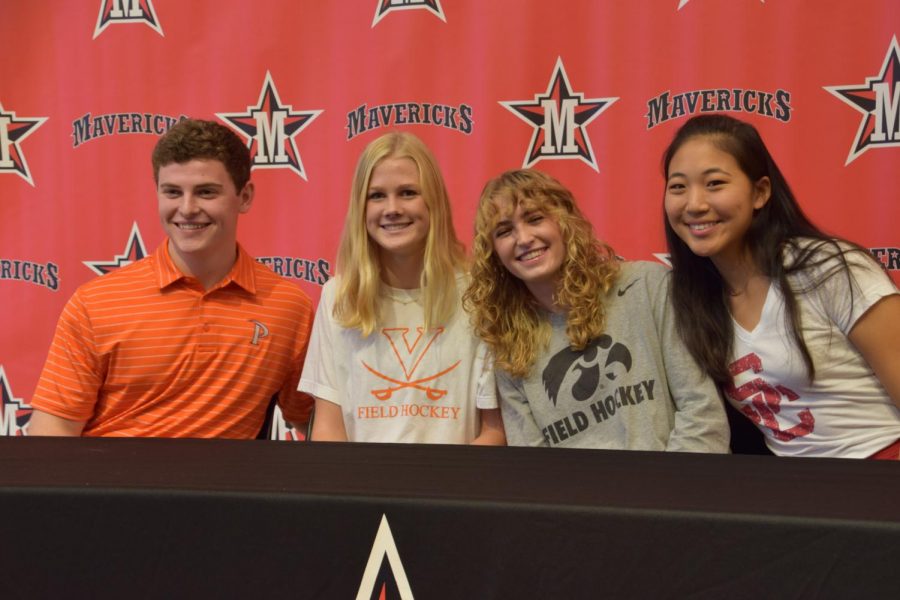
{"x": 700, "y": 226}
{"x": 532, "y": 254}
{"x": 394, "y": 226}
{"x": 191, "y": 225}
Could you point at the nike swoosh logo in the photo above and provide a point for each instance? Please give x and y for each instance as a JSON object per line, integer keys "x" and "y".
{"x": 622, "y": 291}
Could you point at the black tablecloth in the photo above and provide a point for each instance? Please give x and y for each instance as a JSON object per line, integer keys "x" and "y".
{"x": 180, "y": 518}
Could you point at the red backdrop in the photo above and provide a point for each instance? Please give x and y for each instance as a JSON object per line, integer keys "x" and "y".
{"x": 588, "y": 90}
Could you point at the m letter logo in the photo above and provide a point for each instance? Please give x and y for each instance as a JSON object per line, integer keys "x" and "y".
{"x": 559, "y": 118}
{"x": 878, "y": 99}
{"x": 270, "y": 128}
{"x": 114, "y": 12}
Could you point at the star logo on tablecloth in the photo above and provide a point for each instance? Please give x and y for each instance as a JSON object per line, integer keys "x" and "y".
{"x": 271, "y": 128}
{"x": 386, "y": 6}
{"x": 134, "y": 251}
{"x": 559, "y": 117}
{"x": 14, "y": 412}
{"x": 13, "y": 131}
{"x": 114, "y": 12}
{"x": 878, "y": 99}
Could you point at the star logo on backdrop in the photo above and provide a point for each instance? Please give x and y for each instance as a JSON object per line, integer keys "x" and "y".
{"x": 115, "y": 12}
{"x": 134, "y": 251}
{"x": 271, "y": 128}
{"x": 878, "y": 99}
{"x": 386, "y": 6}
{"x": 681, "y": 3}
{"x": 559, "y": 118}
{"x": 14, "y": 412}
{"x": 14, "y": 130}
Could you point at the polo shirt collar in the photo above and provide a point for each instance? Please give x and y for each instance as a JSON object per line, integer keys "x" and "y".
{"x": 242, "y": 272}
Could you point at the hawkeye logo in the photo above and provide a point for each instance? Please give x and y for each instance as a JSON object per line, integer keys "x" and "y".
{"x": 271, "y": 128}
{"x": 409, "y": 356}
{"x": 559, "y": 118}
{"x": 364, "y": 118}
{"x": 89, "y": 127}
{"x": 386, "y": 6}
{"x": 668, "y": 106}
{"x": 134, "y": 251}
{"x": 878, "y": 99}
{"x": 14, "y": 412}
{"x": 115, "y": 12}
{"x": 14, "y": 130}
{"x": 384, "y": 576}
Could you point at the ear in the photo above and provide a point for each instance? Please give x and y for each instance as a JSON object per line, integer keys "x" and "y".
{"x": 246, "y": 197}
{"x": 762, "y": 191}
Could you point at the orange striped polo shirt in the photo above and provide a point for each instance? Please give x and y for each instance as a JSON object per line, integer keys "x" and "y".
{"x": 145, "y": 351}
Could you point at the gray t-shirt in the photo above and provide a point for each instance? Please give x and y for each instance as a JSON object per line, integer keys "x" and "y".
{"x": 636, "y": 387}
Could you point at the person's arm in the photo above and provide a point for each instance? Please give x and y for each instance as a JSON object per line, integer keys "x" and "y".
{"x": 700, "y": 424}
{"x": 876, "y": 335}
{"x": 43, "y": 423}
{"x": 328, "y": 423}
{"x": 72, "y": 377}
{"x": 492, "y": 433}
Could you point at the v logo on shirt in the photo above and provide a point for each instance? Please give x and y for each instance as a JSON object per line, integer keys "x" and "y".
{"x": 409, "y": 355}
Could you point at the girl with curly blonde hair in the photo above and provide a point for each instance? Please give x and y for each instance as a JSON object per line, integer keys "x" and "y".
{"x": 392, "y": 357}
{"x": 577, "y": 337}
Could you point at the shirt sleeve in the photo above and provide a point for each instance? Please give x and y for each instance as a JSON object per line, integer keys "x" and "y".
{"x": 74, "y": 372}
{"x": 518, "y": 420}
{"x": 846, "y": 299}
{"x": 320, "y": 377}
{"x": 700, "y": 421}
{"x": 486, "y": 389}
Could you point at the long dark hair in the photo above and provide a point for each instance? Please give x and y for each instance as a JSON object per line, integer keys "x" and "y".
{"x": 699, "y": 294}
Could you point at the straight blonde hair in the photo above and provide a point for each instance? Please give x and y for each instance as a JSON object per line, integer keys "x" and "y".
{"x": 358, "y": 265}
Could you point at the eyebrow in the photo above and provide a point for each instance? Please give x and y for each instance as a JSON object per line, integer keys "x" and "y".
{"x": 209, "y": 184}
{"x": 709, "y": 171}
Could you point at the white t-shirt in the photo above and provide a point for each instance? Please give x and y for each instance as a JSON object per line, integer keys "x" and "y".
{"x": 401, "y": 383}
{"x": 846, "y": 412}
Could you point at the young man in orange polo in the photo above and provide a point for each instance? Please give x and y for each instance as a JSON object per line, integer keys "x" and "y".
{"x": 193, "y": 340}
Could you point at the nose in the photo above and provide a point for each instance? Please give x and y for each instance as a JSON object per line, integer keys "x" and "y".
{"x": 696, "y": 200}
{"x": 392, "y": 205}
{"x": 189, "y": 204}
{"x": 523, "y": 236}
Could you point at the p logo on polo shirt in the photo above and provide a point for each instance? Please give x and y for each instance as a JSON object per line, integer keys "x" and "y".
{"x": 260, "y": 331}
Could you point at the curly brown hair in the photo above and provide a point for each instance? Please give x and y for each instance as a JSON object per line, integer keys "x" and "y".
{"x": 192, "y": 139}
{"x": 503, "y": 311}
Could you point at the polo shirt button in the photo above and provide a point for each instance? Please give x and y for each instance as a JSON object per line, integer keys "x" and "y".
{"x": 206, "y": 327}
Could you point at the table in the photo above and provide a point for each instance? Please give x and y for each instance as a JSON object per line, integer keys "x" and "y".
{"x": 152, "y": 518}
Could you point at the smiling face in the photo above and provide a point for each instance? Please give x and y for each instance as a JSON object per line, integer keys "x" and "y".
{"x": 198, "y": 208}
{"x": 529, "y": 243}
{"x": 710, "y": 201}
{"x": 397, "y": 218}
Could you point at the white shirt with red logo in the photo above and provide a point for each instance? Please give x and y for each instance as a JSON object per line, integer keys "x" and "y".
{"x": 845, "y": 412}
{"x": 401, "y": 383}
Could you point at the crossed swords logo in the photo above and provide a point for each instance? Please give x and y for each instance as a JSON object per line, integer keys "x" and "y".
{"x": 431, "y": 392}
